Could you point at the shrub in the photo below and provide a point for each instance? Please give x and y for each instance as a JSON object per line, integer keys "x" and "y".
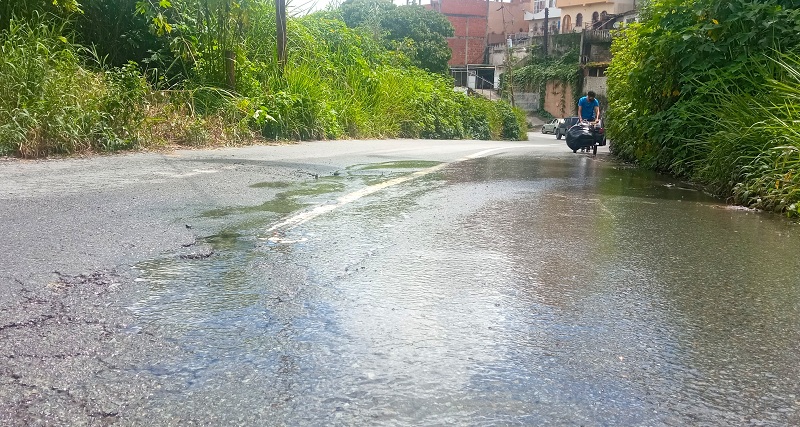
{"x": 707, "y": 90}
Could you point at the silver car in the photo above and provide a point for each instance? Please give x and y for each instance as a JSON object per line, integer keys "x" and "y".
{"x": 550, "y": 127}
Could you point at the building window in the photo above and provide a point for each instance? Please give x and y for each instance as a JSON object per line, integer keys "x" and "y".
{"x": 578, "y": 20}
{"x": 603, "y": 15}
{"x": 538, "y": 6}
{"x": 595, "y": 17}
{"x": 567, "y": 26}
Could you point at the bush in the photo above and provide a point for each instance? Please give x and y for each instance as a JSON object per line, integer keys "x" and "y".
{"x": 707, "y": 90}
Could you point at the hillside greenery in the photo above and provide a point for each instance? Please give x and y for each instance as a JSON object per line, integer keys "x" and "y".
{"x": 104, "y": 75}
{"x": 710, "y": 90}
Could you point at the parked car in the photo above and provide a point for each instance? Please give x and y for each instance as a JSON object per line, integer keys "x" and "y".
{"x": 564, "y": 126}
{"x": 550, "y": 127}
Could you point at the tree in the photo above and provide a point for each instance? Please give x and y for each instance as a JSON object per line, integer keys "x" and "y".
{"x": 427, "y": 30}
{"x": 366, "y": 13}
{"x": 26, "y": 9}
{"x": 419, "y": 33}
{"x": 202, "y": 31}
{"x": 119, "y": 34}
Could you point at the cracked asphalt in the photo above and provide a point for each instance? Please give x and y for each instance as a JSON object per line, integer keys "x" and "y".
{"x": 401, "y": 282}
{"x": 71, "y": 230}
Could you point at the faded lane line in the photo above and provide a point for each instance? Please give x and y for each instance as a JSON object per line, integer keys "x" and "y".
{"x": 302, "y": 217}
{"x": 194, "y": 172}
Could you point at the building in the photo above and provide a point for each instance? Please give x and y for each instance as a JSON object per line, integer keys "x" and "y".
{"x": 577, "y": 15}
{"x": 477, "y": 25}
{"x": 507, "y": 19}
{"x": 595, "y": 57}
{"x": 470, "y": 21}
{"x": 536, "y": 18}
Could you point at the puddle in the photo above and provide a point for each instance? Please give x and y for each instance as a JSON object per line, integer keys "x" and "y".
{"x": 271, "y": 184}
{"x": 404, "y": 164}
{"x": 508, "y": 290}
{"x": 284, "y": 202}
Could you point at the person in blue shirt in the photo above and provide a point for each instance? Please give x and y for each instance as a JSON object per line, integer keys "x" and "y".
{"x": 589, "y": 108}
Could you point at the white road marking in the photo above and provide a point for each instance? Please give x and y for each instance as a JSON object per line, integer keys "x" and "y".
{"x": 303, "y": 217}
{"x": 186, "y": 174}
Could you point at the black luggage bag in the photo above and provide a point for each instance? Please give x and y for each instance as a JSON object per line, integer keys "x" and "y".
{"x": 584, "y": 135}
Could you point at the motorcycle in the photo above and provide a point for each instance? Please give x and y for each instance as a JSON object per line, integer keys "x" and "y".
{"x": 586, "y": 136}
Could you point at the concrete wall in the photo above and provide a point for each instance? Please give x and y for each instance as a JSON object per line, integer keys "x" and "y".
{"x": 528, "y": 101}
{"x": 600, "y": 53}
{"x": 558, "y": 43}
{"x": 558, "y": 100}
{"x": 498, "y": 54}
{"x": 597, "y": 84}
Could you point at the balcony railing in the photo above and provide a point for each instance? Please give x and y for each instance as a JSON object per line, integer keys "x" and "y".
{"x": 597, "y": 36}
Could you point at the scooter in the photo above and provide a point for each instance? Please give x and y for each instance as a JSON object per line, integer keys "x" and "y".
{"x": 586, "y": 136}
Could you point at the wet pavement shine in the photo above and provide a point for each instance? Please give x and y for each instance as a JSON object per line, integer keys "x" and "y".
{"x": 517, "y": 287}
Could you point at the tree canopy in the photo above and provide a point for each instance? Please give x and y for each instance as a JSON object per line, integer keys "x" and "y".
{"x": 419, "y": 33}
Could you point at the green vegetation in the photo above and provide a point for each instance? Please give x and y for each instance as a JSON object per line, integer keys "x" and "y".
{"x": 117, "y": 75}
{"x": 540, "y": 69}
{"x": 418, "y": 33}
{"x": 709, "y": 90}
{"x": 50, "y": 102}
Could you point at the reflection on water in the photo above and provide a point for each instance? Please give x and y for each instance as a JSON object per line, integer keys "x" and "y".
{"x": 504, "y": 290}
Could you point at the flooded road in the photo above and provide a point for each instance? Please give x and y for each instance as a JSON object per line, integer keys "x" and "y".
{"x": 514, "y": 287}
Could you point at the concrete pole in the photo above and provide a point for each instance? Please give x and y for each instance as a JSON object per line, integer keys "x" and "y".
{"x": 546, "y": 27}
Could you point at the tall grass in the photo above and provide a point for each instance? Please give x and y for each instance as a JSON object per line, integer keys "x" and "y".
{"x": 51, "y": 103}
{"x": 709, "y": 90}
{"x": 754, "y": 154}
{"x": 57, "y": 97}
{"x": 340, "y": 83}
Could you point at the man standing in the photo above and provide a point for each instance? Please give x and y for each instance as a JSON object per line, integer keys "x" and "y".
{"x": 589, "y": 108}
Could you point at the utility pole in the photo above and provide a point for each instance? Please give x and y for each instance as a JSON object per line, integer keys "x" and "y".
{"x": 280, "y": 24}
{"x": 546, "y": 27}
{"x": 486, "y": 56}
{"x": 509, "y": 58}
{"x": 509, "y": 61}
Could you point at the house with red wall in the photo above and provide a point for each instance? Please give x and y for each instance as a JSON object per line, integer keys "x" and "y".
{"x": 476, "y": 21}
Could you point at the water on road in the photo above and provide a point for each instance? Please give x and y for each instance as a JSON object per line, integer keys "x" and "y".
{"x": 503, "y": 289}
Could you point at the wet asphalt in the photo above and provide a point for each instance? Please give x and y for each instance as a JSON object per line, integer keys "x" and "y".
{"x": 401, "y": 282}
{"x": 72, "y": 229}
